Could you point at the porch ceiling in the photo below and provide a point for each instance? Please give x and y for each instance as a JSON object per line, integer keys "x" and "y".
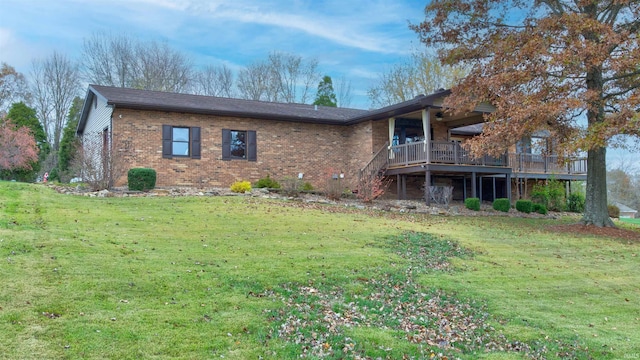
{"x": 451, "y": 121}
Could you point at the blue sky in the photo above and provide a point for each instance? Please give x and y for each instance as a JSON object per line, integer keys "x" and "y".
{"x": 354, "y": 39}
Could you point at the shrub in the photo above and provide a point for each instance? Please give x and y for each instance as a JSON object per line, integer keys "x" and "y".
{"x": 291, "y": 186}
{"x": 472, "y": 204}
{"x": 141, "y": 179}
{"x": 524, "y": 206}
{"x": 241, "y": 187}
{"x": 614, "y": 211}
{"x": 267, "y": 182}
{"x": 550, "y": 194}
{"x": 539, "y": 208}
{"x": 502, "y": 204}
{"x": 575, "y": 203}
{"x": 307, "y": 186}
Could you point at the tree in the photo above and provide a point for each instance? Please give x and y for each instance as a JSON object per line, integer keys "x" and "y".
{"x": 118, "y": 60}
{"x": 69, "y": 143}
{"x": 545, "y": 64}
{"x": 56, "y": 83}
{"x": 18, "y": 148}
{"x": 344, "y": 95}
{"x": 325, "y": 95}
{"x": 13, "y": 87}
{"x": 280, "y": 78}
{"x": 213, "y": 81}
{"x": 420, "y": 74}
{"x": 23, "y": 116}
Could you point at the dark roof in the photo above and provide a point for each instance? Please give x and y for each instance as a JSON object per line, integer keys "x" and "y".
{"x": 210, "y": 105}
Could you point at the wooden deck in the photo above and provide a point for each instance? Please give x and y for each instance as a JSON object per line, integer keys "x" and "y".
{"x": 451, "y": 153}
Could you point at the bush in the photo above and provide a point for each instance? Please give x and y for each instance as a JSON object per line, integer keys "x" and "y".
{"x": 551, "y": 195}
{"x": 141, "y": 179}
{"x": 502, "y": 204}
{"x": 472, "y": 204}
{"x": 614, "y": 211}
{"x": 524, "y": 206}
{"x": 307, "y": 186}
{"x": 241, "y": 187}
{"x": 267, "y": 182}
{"x": 575, "y": 203}
{"x": 539, "y": 208}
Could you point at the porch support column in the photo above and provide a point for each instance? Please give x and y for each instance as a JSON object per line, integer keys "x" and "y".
{"x": 392, "y": 129}
{"x": 508, "y": 184}
{"x": 427, "y": 183}
{"x": 426, "y": 131}
{"x": 464, "y": 188}
{"x": 480, "y": 178}
{"x": 399, "y": 186}
{"x": 473, "y": 185}
{"x": 494, "y": 187}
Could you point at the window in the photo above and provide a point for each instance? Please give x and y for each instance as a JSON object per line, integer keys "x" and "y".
{"x": 239, "y": 145}
{"x": 180, "y": 141}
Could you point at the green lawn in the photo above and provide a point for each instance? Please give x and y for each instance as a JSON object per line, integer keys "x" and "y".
{"x": 245, "y": 278}
{"x": 631, "y": 221}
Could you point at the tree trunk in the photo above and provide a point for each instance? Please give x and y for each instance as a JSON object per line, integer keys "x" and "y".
{"x": 595, "y": 210}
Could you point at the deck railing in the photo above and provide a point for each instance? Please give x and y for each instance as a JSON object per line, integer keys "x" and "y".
{"x": 547, "y": 164}
{"x": 444, "y": 152}
{"x": 438, "y": 152}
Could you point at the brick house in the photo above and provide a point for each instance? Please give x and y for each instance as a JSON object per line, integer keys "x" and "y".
{"x": 204, "y": 141}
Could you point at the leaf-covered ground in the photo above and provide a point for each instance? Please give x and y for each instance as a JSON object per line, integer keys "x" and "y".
{"x": 321, "y": 321}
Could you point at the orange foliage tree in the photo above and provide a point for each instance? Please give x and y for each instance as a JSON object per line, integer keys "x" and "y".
{"x": 18, "y": 149}
{"x": 569, "y": 66}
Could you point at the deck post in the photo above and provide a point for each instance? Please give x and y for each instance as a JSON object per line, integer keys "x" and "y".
{"x": 480, "y": 178}
{"x": 427, "y": 183}
{"x": 426, "y": 129}
{"x": 508, "y": 184}
{"x": 399, "y": 186}
{"x": 464, "y": 188}
{"x": 473, "y": 184}
{"x": 404, "y": 187}
{"x": 493, "y": 180}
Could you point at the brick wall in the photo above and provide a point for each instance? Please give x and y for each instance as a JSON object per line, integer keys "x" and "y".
{"x": 284, "y": 149}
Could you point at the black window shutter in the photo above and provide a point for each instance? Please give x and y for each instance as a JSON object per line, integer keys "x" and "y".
{"x": 167, "y": 141}
{"x": 226, "y": 144}
{"x": 195, "y": 142}
{"x": 252, "y": 146}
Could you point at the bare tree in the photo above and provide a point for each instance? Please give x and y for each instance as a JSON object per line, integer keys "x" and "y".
{"x": 254, "y": 82}
{"x": 281, "y": 78}
{"x": 13, "y": 87}
{"x": 118, "y": 60}
{"x": 55, "y": 84}
{"x": 420, "y": 74}
{"x": 343, "y": 92}
{"x": 109, "y": 60}
{"x": 213, "y": 81}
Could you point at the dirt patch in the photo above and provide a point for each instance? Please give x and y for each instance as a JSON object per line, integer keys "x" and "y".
{"x": 605, "y": 232}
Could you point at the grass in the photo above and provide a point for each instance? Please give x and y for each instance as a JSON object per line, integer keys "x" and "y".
{"x": 238, "y": 277}
{"x": 630, "y": 221}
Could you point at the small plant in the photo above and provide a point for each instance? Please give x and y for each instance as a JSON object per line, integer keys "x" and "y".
{"x": 550, "y": 194}
{"x": 614, "y": 211}
{"x": 371, "y": 187}
{"x": 472, "y": 204}
{"x": 267, "y": 182}
{"x": 333, "y": 186}
{"x": 502, "y": 204}
{"x": 141, "y": 179}
{"x": 524, "y": 206}
{"x": 575, "y": 203}
{"x": 241, "y": 187}
{"x": 291, "y": 186}
{"x": 307, "y": 186}
{"x": 539, "y": 208}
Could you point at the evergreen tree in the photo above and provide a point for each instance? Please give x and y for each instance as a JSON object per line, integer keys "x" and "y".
{"x": 69, "y": 142}
{"x": 325, "y": 95}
